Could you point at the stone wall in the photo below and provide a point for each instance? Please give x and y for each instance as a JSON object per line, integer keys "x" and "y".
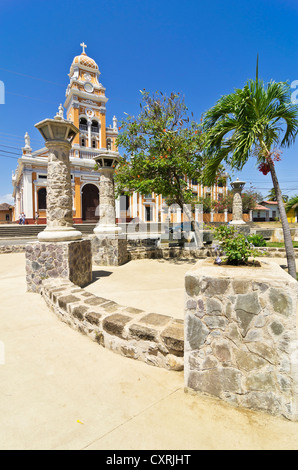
{"x": 155, "y": 339}
{"x": 68, "y": 260}
{"x": 109, "y": 250}
{"x": 241, "y": 337}
{"x": 144, "y": 250}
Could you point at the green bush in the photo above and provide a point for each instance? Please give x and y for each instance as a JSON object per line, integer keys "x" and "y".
{"x": 234, "y": 247}
{"x": 257, "y": 240}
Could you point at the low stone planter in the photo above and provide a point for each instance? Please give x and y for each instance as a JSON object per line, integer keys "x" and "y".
{"x": 155, "y": 339}
{"x": 241, "y": 336}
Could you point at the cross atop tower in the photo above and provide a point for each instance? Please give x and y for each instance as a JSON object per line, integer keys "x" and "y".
{"x": 83, "y": 45}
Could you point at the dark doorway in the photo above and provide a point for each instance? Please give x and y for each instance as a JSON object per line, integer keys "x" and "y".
{"x": 90, "y": 203}
{"x": 148, "y": 213}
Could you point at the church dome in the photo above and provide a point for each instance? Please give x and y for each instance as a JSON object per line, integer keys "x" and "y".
{"x": 84, "y": 60}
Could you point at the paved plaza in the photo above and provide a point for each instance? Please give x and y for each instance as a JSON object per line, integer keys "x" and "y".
{"x": 59, "y": 390}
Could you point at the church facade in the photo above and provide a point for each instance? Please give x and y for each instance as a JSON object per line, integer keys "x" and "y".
{"x": 85, "y": 106}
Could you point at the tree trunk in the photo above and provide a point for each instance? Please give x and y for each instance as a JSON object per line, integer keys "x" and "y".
{"x": 290, "y": 253}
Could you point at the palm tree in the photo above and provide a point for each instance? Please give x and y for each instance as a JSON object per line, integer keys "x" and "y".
{"x": 272, "y": 196}
{"x": 253, "y": 121}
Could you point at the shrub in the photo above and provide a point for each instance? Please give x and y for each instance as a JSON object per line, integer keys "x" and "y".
{"x": 235, "y": 247}
{"x": 257, "y": 240}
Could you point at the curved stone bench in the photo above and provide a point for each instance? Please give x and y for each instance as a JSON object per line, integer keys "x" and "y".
{"x": 152, "y": 338}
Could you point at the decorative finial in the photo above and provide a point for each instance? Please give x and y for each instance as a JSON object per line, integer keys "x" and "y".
{"x": 83, "y": 45}
{"x": 114, "y": 122}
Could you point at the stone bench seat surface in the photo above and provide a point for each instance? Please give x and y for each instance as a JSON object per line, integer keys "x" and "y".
{"x": 153, "y": 338}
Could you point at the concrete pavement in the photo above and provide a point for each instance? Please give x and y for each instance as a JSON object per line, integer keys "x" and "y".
{"x": 59, "y": 390}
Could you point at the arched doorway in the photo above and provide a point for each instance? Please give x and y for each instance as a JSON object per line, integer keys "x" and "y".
{"x": 90, "y": 203}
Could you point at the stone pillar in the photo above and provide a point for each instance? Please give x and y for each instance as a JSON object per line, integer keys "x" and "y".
{"x": 241, "y": 336}
{"x": 60, "y": 252}
{"x": 107, "y": 211}
{"x": 59, "y": 195}
{"x": 109, "y": 246}
{"x": 237, "y": 203}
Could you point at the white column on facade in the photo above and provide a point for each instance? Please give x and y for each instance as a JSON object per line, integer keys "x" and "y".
{"x": 178, "y": 215}
{"x": 117, "y": 207}
{"x": 140, "y": 207}
{"x": 27, "y": 194}
{"x": 156, "y": 208}
{"x": 89, "y": 133}
{"x": 35, "y": 197}
{"x": 211, "y": 216}
{"x": 135, "y": 205}
{"x": 226, "y": 215}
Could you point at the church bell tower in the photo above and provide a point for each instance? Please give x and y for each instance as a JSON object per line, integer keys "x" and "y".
{"x": 86, "y": 107}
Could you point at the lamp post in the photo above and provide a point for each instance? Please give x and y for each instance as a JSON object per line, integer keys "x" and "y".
{"x": 58, "y": 135}
{"x": 237, "y": 187}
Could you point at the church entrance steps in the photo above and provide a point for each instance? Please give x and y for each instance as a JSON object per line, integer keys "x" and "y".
{"x": 23, "y": 231}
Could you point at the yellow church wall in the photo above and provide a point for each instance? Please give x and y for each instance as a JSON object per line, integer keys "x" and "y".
{"x": 78, "y": 211}
{"x": 103, "y": 130}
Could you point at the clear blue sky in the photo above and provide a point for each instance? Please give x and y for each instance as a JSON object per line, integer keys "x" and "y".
{"x": 203, "y": 49}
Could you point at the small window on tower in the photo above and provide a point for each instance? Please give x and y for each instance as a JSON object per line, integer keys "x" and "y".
{"x": 94, "y": 144}
{"x": 109, "y": 144}
{"x": 83, "y": 143}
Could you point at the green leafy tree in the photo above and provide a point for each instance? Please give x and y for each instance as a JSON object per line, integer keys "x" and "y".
{"x": 253, "y": 122}
{"x": 162, "y": 147}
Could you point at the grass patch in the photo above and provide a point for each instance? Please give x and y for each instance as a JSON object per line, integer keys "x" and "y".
{"x": 280, "y": 244}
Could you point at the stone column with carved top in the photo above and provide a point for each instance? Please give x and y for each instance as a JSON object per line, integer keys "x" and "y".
{"x": 109, "y": 244}
{"x": 61, "y": 251}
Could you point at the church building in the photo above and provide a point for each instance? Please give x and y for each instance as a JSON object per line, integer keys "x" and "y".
{"x": 85, "y": 106}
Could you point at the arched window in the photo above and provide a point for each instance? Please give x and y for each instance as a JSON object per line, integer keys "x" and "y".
{"x": 42, "y": 199}
{"x": 94, "y": 126}
{"x": 109, "y": 144}
{"x": 83, "y": 124}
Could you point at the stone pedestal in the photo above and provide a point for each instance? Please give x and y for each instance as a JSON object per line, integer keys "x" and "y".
{"x": 70, "y": 260}
{"x": 109, "y": 250}
{"x": 240, "y": 336}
